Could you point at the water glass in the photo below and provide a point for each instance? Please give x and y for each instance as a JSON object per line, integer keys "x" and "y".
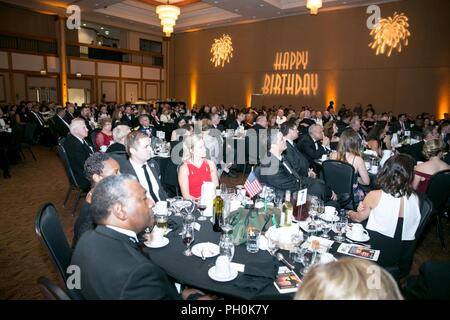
{"x": 226, "y": 246}
{"x": 326, "y": 227}
{"x": 340, "y": 226}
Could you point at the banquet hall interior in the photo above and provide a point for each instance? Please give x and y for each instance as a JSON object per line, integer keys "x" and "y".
{"x": 145, "y": 140}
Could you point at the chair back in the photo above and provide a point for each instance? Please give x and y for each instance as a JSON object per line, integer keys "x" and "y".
{"x": 339, "y": 177}
{"x": 65, "y": 160}
{"x": 438, "y": 190}
{"x": 426, "y": 212}
{"x": 94, "y": 138}
{"x": 17, "y": 134}
{"x": 50, "y": 232}
{"x": 51, "y": 291}
{"x": 28, "y": 135}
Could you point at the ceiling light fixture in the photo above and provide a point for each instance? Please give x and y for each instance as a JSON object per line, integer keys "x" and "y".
{"x": 314, "y": 5}
{"x": 168, "y": 14}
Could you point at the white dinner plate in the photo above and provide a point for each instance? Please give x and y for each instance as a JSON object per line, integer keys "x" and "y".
{"x": 164, "y": 242}
{"x": 209, "y": 249}
{"x": 363, "y": 239}
{"x": 212, "y": 274}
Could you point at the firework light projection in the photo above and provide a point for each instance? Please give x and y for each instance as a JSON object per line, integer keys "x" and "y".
{"x": 222, "y": 50}
{"x": 389, "y": 34}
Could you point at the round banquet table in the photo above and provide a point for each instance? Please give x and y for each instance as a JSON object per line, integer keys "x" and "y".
{"x": 193, "y": 271}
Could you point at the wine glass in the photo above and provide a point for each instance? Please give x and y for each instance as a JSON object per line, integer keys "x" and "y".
{"x": 188, "y": 206}
{"x": 296, "y": 241}
{"x": 188, "y": 238}
{"x": 326, "y": 227}
{"x": 340, "y": 226}
{"x": 178, "y": 204}
{"x": 201, "y": 207}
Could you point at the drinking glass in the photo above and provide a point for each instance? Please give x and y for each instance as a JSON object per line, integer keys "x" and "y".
{"x": 296, "y": 241}
{"x": 178, "y": 204}
{"x": 188, "y": 238}
{"x": 226, "y": 246}
{"x": 340, "y": 226}
{"x": 326, "y": 227}
{"x": 306, "y": 259}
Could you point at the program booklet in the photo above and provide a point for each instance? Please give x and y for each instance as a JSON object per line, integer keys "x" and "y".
{"x": 287, "y": 281}
{"x": 359, "y": 251}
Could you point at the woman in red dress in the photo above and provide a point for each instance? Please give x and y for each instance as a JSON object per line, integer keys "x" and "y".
{"x": 195, "y": 169}
{"x": 104, "y": 137}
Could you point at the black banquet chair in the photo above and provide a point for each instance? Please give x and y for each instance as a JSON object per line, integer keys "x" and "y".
{"x": 73, "y": 184}
{"x": 438, "y": 192}
{"x": 338, "y": 176}
{"x": 51, "y": 291}
{"x": 28, "y": 137}
{"x": 50, "y": 232}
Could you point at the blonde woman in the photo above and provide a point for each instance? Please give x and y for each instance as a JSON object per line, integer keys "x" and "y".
{"x": 105, "y": 137}
{"x": 195, "y": 169}
{"x": 348, "y": 279}
{"x": 433, "y": 151}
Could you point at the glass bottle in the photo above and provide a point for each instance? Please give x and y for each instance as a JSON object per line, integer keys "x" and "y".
{"x": 287, "y": 210}
{"x": 218, "y": 208}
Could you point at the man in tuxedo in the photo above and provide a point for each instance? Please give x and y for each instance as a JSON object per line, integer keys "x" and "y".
{"x": 41, "y": 132}
{"x": 78, "y": 150}
{"x": 128, "y": 117}
{"x": 61, "y": 126}
{"x": 85, "y": 114}
{"x": 277, "y": 172}
{"x": 111, "y": 260}
{"x": 402, "y": 124}
{"x": 215, "y": 120}
{"x": 145, "y": 127}
{"x": 281, "y": 118}
{"x": 154, "y": 119}
{"x": 416, "y": 150}
{"x": 70, "y": 113}
{"x": 140, "y": 165}
{"x": 260, "y": 123}
{"x": 298, "y": 161}
{"x": 238, "y": 122}
{"x": 311, "y": 146}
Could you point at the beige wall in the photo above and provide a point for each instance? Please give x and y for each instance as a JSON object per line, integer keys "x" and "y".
{"x": 133, "y": 39}
{"x": 348, "y": 71}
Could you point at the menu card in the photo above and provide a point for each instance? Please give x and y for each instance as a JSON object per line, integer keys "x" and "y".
{"x": 287, "y": 281}
{"x": 359, "y": 251}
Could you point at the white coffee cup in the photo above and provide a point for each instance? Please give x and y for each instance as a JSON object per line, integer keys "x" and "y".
{"x": 161, "y": 207}
{"x": 223, "y": 268}
{"x": 330, "y": 211}
{"x": 103, "y": 148}
{"x": 374, "y": 169}
{"x": 357, "y": 231}
{"x": 157, "y": 235}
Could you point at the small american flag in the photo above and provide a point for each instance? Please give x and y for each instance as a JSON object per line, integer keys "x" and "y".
{"x": 252, "y": 185}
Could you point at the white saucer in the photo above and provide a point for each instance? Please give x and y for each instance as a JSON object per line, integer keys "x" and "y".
{"x": 212, "y": 274}
{"x": 327, "y": 217}
{"x": 209, "y": 249}
{"x": 164, "y": 242}
{"x": 363, "y": 239}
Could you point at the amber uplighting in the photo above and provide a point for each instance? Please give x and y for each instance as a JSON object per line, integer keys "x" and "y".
{"x": 330, "y": 88}
{"x": 193, "y": 88}
{"x": 443, "y": 104}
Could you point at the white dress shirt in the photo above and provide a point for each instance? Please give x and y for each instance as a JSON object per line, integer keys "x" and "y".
{"x": 143, "y": 181}
{"x": 126, "y": 232}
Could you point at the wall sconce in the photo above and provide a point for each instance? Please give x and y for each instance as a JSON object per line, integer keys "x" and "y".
{"x": 43, "y": 72}
{"x": 78, "y": 74}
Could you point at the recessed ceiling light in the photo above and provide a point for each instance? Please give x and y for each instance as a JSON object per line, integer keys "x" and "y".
{"x": 236, "y": 10}
{"x": 278, "y": 12}
{"x": 84, "y": 24}
{"x": 106, "y": 32}
{"x": 101, "y": 28}
{"x": 254, "y": 17}
{"x": 216, "y": 2}
{"x": 261, "y": 5}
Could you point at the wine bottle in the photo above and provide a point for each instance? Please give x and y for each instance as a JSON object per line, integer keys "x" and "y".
{"x": 217, "y": 207}
{"x": 287, "y": 211}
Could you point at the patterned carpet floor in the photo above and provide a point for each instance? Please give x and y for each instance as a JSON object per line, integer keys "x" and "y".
{"x": 33, "y": 183}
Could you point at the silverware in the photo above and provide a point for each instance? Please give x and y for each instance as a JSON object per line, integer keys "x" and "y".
{"x": 358, "y": 243}
{"x": 203, "y": 254}
{"x": 281, "y": 258}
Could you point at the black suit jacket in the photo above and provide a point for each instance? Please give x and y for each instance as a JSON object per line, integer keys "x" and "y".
{"x": 127, "y": 168}
{"x": 414, "y": 150}
{"x": 69, "y": 117}
{"x": 60, "y": 127}
{"x": 307, "y": 147}
{"x": 396, "y": 126}
{"x": 234, "y": 125}
{"x": 77, "y": 154}
{"x": 219, "y": 127}
{"x": 113, "y": 267}
{"x": 129, "y": 122}
{"x": 297, "y": 160}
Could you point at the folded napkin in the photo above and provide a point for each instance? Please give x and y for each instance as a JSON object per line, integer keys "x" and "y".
{"x": 257, "y": 276}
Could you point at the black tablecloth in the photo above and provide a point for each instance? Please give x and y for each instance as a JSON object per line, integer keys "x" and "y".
{"x": 193, "y": 271}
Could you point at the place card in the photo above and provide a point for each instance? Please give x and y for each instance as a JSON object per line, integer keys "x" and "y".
{"x": 238, "y": 266}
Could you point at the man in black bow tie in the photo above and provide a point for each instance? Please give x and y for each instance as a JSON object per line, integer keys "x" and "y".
{"x": 145, "y": 127}
{"x": 110, "y": 259}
